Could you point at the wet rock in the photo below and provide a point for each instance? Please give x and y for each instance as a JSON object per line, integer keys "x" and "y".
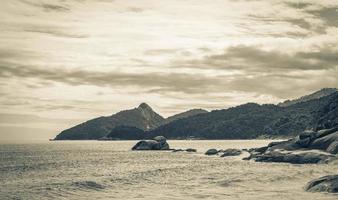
{"x": 191, "y": 150}
{"x": 323, "y": 184}
{"x": 211, "y": 152}
{"x": 158, "y": 143}
{"x": 231, "y": 152}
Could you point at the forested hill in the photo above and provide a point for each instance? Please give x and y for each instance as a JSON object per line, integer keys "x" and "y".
{"x": 246, "y": 121}
{"x": 251, "y": 121}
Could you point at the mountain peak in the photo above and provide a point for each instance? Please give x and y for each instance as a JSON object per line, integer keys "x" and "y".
{"x": 144, "y": 106}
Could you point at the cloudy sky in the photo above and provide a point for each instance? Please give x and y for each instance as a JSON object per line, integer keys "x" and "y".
{"x": 64, "y": 61}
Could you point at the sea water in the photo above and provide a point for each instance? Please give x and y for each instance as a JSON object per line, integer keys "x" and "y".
{"x": 110, "y": 170}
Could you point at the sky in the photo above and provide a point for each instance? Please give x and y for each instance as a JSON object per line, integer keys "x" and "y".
{"x": 66, "y": 61}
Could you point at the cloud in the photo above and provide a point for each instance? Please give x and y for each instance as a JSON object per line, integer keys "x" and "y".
{"x": 47, "y": 7}
{"x": 154, "y": 81}
{"x": 54, "y": 31}
{"x": 328, "y": 14}
{"x": 254, "y": 59}
{"x": 298, "y": 4}
{"x": 71, "y": 50}
{"x": 10, "y": 118}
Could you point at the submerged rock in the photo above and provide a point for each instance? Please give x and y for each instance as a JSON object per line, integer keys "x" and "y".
{"x": 323, "y": 184}
{"x": 158, "y": 143}
{"x": 211, "y": 152}
{"x": 231, "y": 152}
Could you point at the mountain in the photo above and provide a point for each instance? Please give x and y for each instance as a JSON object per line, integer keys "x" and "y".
{"x": 185, "y": 114}
{"x": 248, "y": 121}
{"x": 316, "y": 95}
{"x": 252, "y": 120}
{"x": 133, "y": 133}
{"x": 142, "y": 117}
{"x": 126, "y": 133}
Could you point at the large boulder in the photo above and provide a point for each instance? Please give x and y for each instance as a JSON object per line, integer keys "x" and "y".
{"x": 211, "y": 152}
{"x": 158, "y": 143}
{"x": 323, "y": 184}
{"x": 231, "y": 152}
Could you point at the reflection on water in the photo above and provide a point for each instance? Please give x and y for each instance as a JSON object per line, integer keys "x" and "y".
{"x": 109, "y": 170}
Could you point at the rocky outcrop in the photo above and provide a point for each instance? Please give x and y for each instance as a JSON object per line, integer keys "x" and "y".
{"x": 323, "y": 184}
{"x": 158, "y": 143}
{"x": 308, "y": 147}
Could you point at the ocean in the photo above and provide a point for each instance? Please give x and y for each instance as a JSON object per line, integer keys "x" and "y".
{"x": 75, "y": 170}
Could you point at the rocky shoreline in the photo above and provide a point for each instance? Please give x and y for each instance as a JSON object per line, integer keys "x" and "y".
{"x": 310, "y": 147}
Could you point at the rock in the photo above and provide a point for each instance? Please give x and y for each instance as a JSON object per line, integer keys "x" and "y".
{"x": 191, "y": 150}
{"x": 324, "y": 142}
{"x": 333, "y": 148}
{"x": 158, "y": 143}
{"x": 323, "y": 184}
{"x": 259, "y": 150}
{"x": 293, "y": 157}
{"x": 211, "y": 152}
{"x": 308, "y": 147}
{"x": 160, "y": 139}
{"x": 231, "y": 152}
{"x": 325, "y": 132}
{"x": 177, "y": 150}
{"x": 305, "y": 138}
{"x": 146, "y": 145}
{"x": 289, "y": 145}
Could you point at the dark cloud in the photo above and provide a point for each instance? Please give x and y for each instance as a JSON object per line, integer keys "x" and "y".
{"x": 300, "y": 22}
{"x": 249, "y": 58}
{"x": 169, "y": 82}
{"x": 328, "y": 14}
{"x": 264, "y": 72}
{"x": 48, "y": 7}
